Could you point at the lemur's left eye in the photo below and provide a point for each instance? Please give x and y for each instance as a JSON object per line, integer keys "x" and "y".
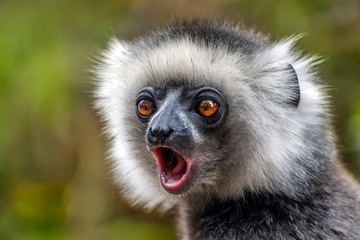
{"x": 207, "y": 108}
{"x": 145, "y": 107}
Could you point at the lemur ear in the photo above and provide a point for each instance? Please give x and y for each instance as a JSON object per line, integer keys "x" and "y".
{"x": 294, "y": 87}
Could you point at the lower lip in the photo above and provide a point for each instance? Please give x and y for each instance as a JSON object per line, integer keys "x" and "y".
{"x": 178, "y": 184}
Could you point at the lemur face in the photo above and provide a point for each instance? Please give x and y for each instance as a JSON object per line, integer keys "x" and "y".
{"x": 182, "y": 126}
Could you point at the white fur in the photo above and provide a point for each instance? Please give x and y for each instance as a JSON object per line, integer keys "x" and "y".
{"x": 122, "y": 73}
{"x": 114, "y": 79}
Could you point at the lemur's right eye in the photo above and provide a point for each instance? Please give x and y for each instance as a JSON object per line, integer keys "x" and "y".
{"x": 145, "y": 108}
{"x": 145, "y": 105}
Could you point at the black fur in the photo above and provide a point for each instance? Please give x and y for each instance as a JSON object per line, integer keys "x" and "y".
{"x": 277, "y": 216}
{"x": 212, "y": 34}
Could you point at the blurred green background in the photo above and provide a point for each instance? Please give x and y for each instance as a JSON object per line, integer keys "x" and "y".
{"x": 54, "y": 181}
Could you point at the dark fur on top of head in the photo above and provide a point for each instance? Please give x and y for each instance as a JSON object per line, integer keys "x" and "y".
{"x": 224, "y": 34}
{"x": 276, "y": 140}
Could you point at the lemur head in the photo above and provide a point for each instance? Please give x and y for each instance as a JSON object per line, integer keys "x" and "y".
{"x": 212, "y": 109}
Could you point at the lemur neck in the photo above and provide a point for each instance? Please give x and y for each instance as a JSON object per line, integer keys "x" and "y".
{"x": 205, "y": 217}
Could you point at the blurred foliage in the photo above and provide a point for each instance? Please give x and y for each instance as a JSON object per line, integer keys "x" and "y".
{"x": 54, "y": 181}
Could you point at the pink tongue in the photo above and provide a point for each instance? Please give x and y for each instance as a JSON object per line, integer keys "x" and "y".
{"x": 179, "y": 167}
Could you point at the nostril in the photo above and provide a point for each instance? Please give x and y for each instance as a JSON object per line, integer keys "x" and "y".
{"x": 161, "y": 134}
{"x": 151, "y": 138}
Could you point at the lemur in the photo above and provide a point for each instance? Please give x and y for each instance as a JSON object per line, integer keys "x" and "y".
{"x": 230, "y": 129}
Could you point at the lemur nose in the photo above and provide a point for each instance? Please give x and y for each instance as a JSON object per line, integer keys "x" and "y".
{"x": 159, "y": 134}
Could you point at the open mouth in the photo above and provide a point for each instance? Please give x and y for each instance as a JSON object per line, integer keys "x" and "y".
{"x": 173, "y": 167}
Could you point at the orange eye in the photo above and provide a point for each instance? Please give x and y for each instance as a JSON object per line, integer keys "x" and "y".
{"x": 207, "y": 108}
{"x": 145, "y": 107}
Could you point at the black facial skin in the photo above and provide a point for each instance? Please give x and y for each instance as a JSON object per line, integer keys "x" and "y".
{"x": 167, "y": 125}
{"x": 175, "y": 113}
